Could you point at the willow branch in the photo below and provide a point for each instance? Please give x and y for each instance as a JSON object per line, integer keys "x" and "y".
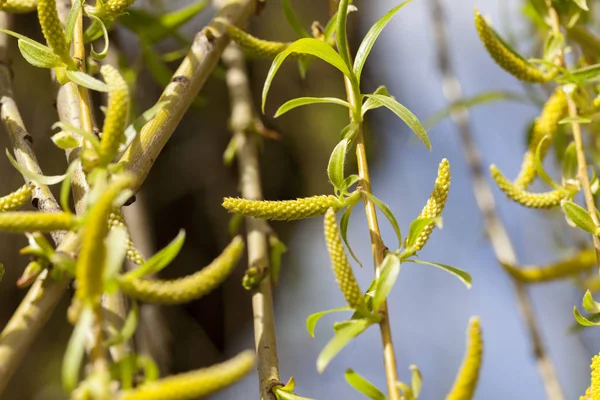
{"x": 188, "y": 80}
{"x": 496, "y": 232}
{"x": 242, "y": 120}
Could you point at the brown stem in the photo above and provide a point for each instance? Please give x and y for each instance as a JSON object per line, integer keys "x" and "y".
{"x": 496, "y": 232}
{"x": 242, "y": 120}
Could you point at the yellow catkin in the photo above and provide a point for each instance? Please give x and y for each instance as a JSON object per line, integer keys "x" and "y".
{"x": 115, "y": 219}
{"x": 115, "y": 7}
{"x": 52, "y": 28}
{"x": 283, "y": 210}
{"x": 113, "y": 133}
{"x": 16, "y": 199}
{"x": 435, "y": 204}
{"x": 341, "y": 266}
{"x": 191, "y": 287}
{"x": 254, "y": 47}
{"x": 89, "y": 271}
{"x": 31, "y": 221}
{"x": 546, "y": 124}
{"x": 465, "y": 383}
{"x": 593, "y": 392}
{"x": 532, "y": 200}
{"x": 505, "y": 58}
{"x": 582, "y": 261}
{"x": 195, "y": 384}
{"x": 18, "y": 6}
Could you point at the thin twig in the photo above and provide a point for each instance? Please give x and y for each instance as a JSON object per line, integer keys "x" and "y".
{"x": 242, "y": 120}
{"x": 496, "y": 232}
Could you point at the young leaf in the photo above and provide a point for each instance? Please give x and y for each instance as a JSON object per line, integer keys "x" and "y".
{"x": 160, "y": 260}
{"x": 335, "y": 168}
{"x": 341, "y": 38}
{"x": 350, "y": 131}
{"x": 65, "y": 188}
{"x": 102, "y": 55}
{"x": 390, "y": 268}
{"x": 416, "y": 380}
{"x": 116, "y": 248}
{"x": 581, "y": 320}
{"x": 293, "y": 20}
{"x": 404, "y": 114}
{"x": 39, "y": 55}
{"x": 285, "y": 395}
{"x": 339, "y": 341}
{"x": 72, "y": 19}
{"x": 128, "y": 329}
{"x": 277, "y": 250}
{"x": 540, "y": 168}
{"x": 371, "y": 37}
{"x": 85, "y": 80}
{"x": 303, "y": 101}
{"x": 371, "y": 104}
{"x": 311, "y": 321}
{"x": 569, "y": 162}
{"x": 405, "y": 390}
{"x": 579, "y": 216}
{"x": 76, "y": 350}
{"x": 34, "y": 176}
{"x": 463, "y": 276}
{"x": 590, "y": 304}
{"x": 388, "y": 214}
{"x": 363, "y": 386}
{"x": 344, "y": 230}
{"x": 304, "y": 46}
{"x": 65, "y": 140}
{"x": 416, "y": 227}
{"x": 582, "y": 4}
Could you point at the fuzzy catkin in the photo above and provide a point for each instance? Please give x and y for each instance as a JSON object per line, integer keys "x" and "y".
{"x": 593, "y": 392}
{"x": 89, "y": 271}
{"x": 16, "y": 199}
{"x": 341, "y": 266}
{"x": 505, "y": 58}
{"x": 32, "y": 221}
{"x": 18, "y": 6}
{"x": 465, "y": 383}
{"x": 115, "y": 219}
{"x": 254, "y": 47}
{"x": 52, "y": 28}
{"x": 582, "y": 261}
{"x": 546, "y": 124}
{"x": 286, "y": 210}
{"x": 195, "y": 384}
{"x": 191, "y": 287}
{"x": 436, "y": 203}
{"x": 115, "y": 7}
{"x": 113, "y": 133}
{"x": 532, "y": 200}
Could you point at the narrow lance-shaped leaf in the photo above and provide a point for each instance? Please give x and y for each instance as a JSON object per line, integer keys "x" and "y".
{"x": 579, "y": 216}
{"x": 341, "y": 38}
{"x": 303, "y": 101}
{"x": 363, "y": 386}
{"x": 293, "y": 20}
{"x": 87, "y": 81}
{"x": 463, "y": 276}
{"x": 311, "y": 321}
{"x": 335, "y": 168}
{"x": 390, "y": 268}
{"x": 339, "y": 341}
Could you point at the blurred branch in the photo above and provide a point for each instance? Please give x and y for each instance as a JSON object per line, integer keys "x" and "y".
{"x": 242, "y": 123}
{"x": 496, "y": 232}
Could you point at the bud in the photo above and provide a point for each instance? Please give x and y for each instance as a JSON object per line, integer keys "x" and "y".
{"x": 283, "y": 210}
{"x": 16, "y": 199}
{"x": 532, "y": 200}
{"x": 468, "y": 375}
{"x": 185, "y": 289}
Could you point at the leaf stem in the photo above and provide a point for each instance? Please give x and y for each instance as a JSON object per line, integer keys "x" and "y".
{"x": 242, "y": 120}
{"x": 495, "y": 229}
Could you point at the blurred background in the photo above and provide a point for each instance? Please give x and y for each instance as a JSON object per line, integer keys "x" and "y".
{"x": 429, "y": 309}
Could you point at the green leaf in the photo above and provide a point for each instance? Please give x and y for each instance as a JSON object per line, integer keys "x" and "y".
{"x": 579, "y": 120}
{"x": 65, "y": 188}
{"x": 350, "y": 130}
{"x": 128, "y": 329}
{"x": 579, "y": 216}
{"x": 303, "y": 101}
{"x": 285, "y": 395}
{"x": 341, "y": 38}
{"x": 405, "y": 115}
{"x": 34, "y": 176}
{"x": 85, "y": 80}
{"x": 406, "y": 391}
{"x": 463, "y": 276}
{"x": 330, "y": 28}
{"x": 390, "y": 268}
{"x": 311, "y": 321}
{"x": 582, "y": 4}
{"x": 583, "y": 75}
{"x": 540, "y": 168}
{"x": 116, "y": 248}
{"x": 72, "y": 19}
{"x": 344, "y": 221}
{"x": 76, "y": 350}
{"x": 160, "y": 260}
{"x": 89, "y": 136}
{"x": 348, "y": 182}
{"x": 371, "y": 104}
{"x": 310, "y": 46}
{"x": 339, "y": 341}
{"x": 363, "y": 386}
{"x": 277, "y": 250}
{"x": 371, "y": 37}
{"x": 477, "y": 100}
{"x": 388, "y": 214}
{"x": 416, "y": 227}
{"x": 102, "y": 55}
{"x": 590, "y": 304}
{"x": 65, "y": 140}
{"x": 95, "y": 30}
{"x": 335, "y": 168}
{"x": 569, "y": 162}
{"x": 293, "y": 20}
{"x": 581, "y": 320}
{"x": 36, "y": 53}
{"x": 416, "y": 380}
{"x": 134, "y": 129}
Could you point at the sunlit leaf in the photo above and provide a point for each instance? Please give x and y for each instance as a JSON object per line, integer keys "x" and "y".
{"x": 569, "y": 162}
{"x": 128, "y": 329}
{"x": 36, "y": 53}
{"x": 540, "y": 168}
{"x": 335, "y": 167}
{"x": 581, "y": 320}
{"x": 463, "y": 276}
{"x": 72, "y": 19}
{"x": 579, "y": 216}
{"x": 344, "y": 221}
{"x": 341, "y": 37}
{"x": 277, "y": 249}
{"x": 416, "y": 380}
{"x": 311, "y": 321}
{"x": 160, "y": 260}
{"x": 371, "y": 104}
{"x": 363, "y": 386}
{"x": 76, "y": 349}
{"x": 85, "y": 80}
{"x": 590, "y": 304}
{"x": 339, "y": 341}
{"x": 102, "y": 55}
{"x": 303, "y": 101}
{"x": 34, "y": 176}
{"x": 388, "y": 214}
{"x": 65, "y": 188}
{"x": 293, "y": 20}
{"x": 390, "y": 268}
